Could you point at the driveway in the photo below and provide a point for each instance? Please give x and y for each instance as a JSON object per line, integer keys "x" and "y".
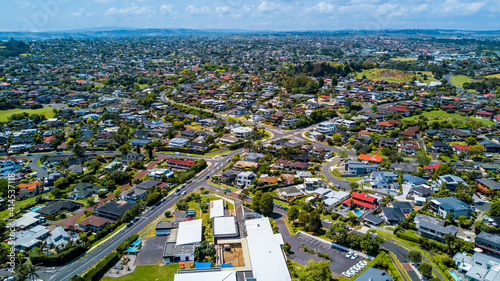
{"x": 326, "y": 171}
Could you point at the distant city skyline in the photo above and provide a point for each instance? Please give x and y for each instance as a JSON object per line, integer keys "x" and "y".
{"x": 286, "y": 15}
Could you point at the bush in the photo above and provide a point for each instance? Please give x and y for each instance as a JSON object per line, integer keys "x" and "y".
{"x": 59, "y": 259}
{"x": 408, "y": 237}
{"x": 101, "y": 267}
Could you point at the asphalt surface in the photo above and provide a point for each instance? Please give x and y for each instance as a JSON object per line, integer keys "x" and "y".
{"x": 152, "y": 250}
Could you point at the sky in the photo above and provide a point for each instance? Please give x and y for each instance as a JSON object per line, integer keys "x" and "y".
{"x": 287, "y": 15}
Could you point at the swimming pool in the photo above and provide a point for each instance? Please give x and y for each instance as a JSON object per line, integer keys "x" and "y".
{"x": 455, "y": 276}
{"x": 393, "y": 191}
{"x": 35, "y": 209}
{"x": 358, "y": 212}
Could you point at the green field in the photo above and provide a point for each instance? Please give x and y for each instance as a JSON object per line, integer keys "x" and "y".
{"x": 149, "y": 272}
{"x": 403, "y": 59}
{"x": 389, "y": 75}
{"x": 459, "y": 80}
{"x": 443, "y": 115}
{"x": 47, "y": 111}
{"x": 493, "y": 76}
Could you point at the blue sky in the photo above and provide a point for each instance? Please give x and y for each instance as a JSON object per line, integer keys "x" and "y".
{"x": 43, "y": 15}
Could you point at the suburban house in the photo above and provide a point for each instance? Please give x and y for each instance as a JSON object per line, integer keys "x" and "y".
{"x": 313, "y": 183}
{"x": 433, "y": 228}
{"x": 451, "y": 205}
{"x": 325, "y": 127}
{"x": 93, "y": 223}
{"x": 478, "y": 267}
{"x": 30, "y": 189}
{"x": 393, "y": 215}
{"x": 486, "y": 185}
{"x": 113, "y": 210}
{"x": 360, "y": 200}
{"x": 358, "y": 168}
{"x": 384, "y": 179}
{"x": 489, "y": 243}
{"x": 84, "y": 190}
{"x": 413, "y": 180}
{"x": 133, "y": 195}
{"x": 450, "y": 181}
{"x": 246, "y": 178}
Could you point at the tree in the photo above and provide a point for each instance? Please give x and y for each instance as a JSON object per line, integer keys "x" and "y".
{"x": 167, "y": 214}
{"x": 443, "y": 169}
{"x": 56, "y": 192}
{"x": 256, "y": 201}
{"x": 204, "y": 250}
{"x": 4, "y": 187}
{"x": 124, "y": 149}
{"x": 303, "y": 218}
{"x": 314, "y": 221}
{"x": 31, "y": 272}
{"x": 422, "y": 157}
{"x": 78, "y": 150}
{"x": 149, "y": 148}
{"x": 495, "y": 209}
{"x": 477, "y": 150}
{"x": 316, "y": 271}
{"x": 342, "y": 154}
{"x": 287, "y": 248}
{"x": 425, "y": 269}
{"x": 415, "y": 256}
{"x": 337, "y": 138}
{"x": 471, "y": 140}
{"x": 293, "y": 214}
{"x": 266, "y": 205}
{"x": 244, "y": 194}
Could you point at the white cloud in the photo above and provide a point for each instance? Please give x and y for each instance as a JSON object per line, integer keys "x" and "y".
{"x": 420, "y": 8}
{"x": 164, "y": 9}
{"x": 456, "y": 7}
{"x": 322, "y": 7}
{"x": 26, "y": 4}
{"x": 103, "y": 1}
{"x": 191, "y": 9}
{"x": 267, "y": 7}
{"x": 78, "y": 13}
{"x": 223, "y": 10}
{"x": 133, "y": 9}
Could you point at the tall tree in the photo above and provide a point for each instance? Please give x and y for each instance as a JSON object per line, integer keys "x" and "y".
{"x": 256, "y": 201}
{"x": 316, "y": 271}
{"x": 266, "y": 205}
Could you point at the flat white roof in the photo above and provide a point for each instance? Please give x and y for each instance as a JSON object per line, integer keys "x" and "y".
{"x": 225, "y": 226}
{"x": 207, "y": 276}
{"x": 189, "y": 232}
{"x": 217, "y": 208}
{"x": 267, "y": 258}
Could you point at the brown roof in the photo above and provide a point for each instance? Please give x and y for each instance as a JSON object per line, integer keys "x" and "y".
{"x": 95, "y": 221}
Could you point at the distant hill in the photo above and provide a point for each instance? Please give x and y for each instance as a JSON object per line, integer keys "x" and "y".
{"x": 116, "y": 32}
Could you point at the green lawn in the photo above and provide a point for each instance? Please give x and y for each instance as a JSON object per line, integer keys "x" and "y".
{"x": 403, "y": 59}
{"x": 47, "y": 111}
{"x": 493, "y": 76}
{"x": 443, "y": 115}
{"x": 149, "y": 273}
{"x": 459, "y": 80}
{"x": 389, "y": 75}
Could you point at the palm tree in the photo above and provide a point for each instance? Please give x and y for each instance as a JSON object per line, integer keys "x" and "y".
{"x": 31, "y": 272}
{"x": 21, "y": 271}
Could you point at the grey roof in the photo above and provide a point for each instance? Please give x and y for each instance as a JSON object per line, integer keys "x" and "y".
{"x": 402, "y": 205}
{"x": 488, "y": 237}
{"x": 424, "y": 218}
{"x": 373, "y": 274}
{"x": 147, "y": 184}
{"x": 374, "y": 219}
{"x": 167, "y": 225}
{"x": 492, "y": 184}
{"x": 442, "y": 229}
{"x": 451, "y": 203}
{"x": 393, "y": 213}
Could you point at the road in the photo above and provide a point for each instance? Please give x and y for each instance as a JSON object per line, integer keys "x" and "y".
{"x": 83, "y": 264}
{"x": 336, "y": 182}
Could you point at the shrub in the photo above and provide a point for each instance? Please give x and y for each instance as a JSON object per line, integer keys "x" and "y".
{"x": 59, "y": 259}
{"x": 101, "y": 267}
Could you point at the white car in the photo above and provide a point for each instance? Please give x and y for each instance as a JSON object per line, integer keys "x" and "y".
{"x": 328, "y": 221}
{"x": 354, "y": 256}
{"x": 349, "y": 254}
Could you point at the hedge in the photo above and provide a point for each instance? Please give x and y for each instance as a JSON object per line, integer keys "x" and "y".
{"x": 408, "y": 237}
{"x": 179, "y": 149}
{"x": 124, "y": 245}
{"x": 59, "y": 259}
{"x": 101, "y": 267}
